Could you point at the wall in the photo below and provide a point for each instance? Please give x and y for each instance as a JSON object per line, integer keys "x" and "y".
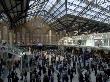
{"x": 36, "y": 31}
{"x": 33, "y": 31}
{"x": 6, "y": 34}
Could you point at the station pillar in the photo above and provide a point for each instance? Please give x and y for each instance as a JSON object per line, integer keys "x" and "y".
{"x": 10, "y": 37}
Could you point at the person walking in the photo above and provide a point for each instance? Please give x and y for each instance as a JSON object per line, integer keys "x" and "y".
{"x": 71, "y": 77}
{"x": 9, "y": 77}
{"x": 46, "y": 78}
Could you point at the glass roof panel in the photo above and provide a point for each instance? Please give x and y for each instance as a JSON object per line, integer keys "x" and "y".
{"x": 79, "y": 9}
{"x": 64, "y": 12}
{"x": 56, "y": 7}
{"x": 59, "y": 11}
{"x": 92, "y": 9}
{"x": 31, "y": 2}
{"x": 87, "y": 16}
{"x": 90, "y": 12}
{"x": 83, "y": 4}
{"x": 103, "y": 16}
{"x": 49, "y": 5}
{"x": 71, "y": 12}
{"x": 72, "y": 7}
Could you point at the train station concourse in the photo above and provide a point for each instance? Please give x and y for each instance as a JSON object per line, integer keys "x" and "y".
{"x": 54, "y": 40}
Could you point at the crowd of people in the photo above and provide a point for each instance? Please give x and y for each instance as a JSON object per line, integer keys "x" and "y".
{"x": 46, "y": 66}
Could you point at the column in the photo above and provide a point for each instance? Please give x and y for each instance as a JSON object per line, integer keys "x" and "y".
{"x": 41, "y": 38}
{"x": 5, "y": 33}
{"x": 31, "y": 37}
{"x": 50, "y": 37}
{"x": 56, "y": 35}
{"x": 0, "y": 35}
{"x": 107, "y": 42}
{"x": 93, "y": 38}
{"x": 27, "y": 38}
{"x": 10, "y": 37}
{"x": 16, "y": 39}
{"x": 47, "y": 40}
{"x": 60, "y": 35}
{"x": 20, "y": 34}
{"x": 23, "y": 35}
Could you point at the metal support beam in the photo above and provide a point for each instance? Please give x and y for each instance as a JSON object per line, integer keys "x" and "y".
{"x": 3, "y": 3}
{"x": 66, "y": 6}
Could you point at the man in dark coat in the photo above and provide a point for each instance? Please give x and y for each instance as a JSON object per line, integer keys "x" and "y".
{"x": 71, "y": 77}
{"x": 58, "y": 77}
{"x": 46, "y": 78}
{"x": 81, "y": 78}
{"x": 1, "y": 80}
{"x": 9, "y": 77}
{"x": 15, "y": 78}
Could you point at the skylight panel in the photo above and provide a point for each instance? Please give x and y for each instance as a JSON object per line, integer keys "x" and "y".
{"x": 48, "y": 6}
{"x": 58, "y": 5}
{"x": 83, "y": 4}
{"x": 49, "y": 19}
{"x": 103, "y": 16}
{"x": 108, "y": 14}
{"x": 87, "y": 16}
{"x": 71, "y": 1}
{"x": 107, "y": 21}
{"x": 74, "y": 13}
{"x": 72, "y": 7}
{"x": 90, "y": 12}
{"x": 52, "y": 1}
{"x": 70, "y": 11}
{"x": 57, "y": 12}
{"x": 99, "y": 19}
{"x": 79, "y": 9}
{"x": 76, "y": 2}
{"x": 95, "y": 18}
{"x": 31, "y": 2}
{"x": 62, "y": 8}
{"x": 104, "y": 5}
{"x": 64, "y": 12}
{"x": 61, "y": 1}
{"x": 95, "y": 9}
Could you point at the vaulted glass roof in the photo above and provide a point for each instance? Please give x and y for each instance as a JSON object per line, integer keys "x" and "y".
{"x": 74, "y": 15}
{"x": 49, "y": 10}
{"x": 98, "y": 10}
